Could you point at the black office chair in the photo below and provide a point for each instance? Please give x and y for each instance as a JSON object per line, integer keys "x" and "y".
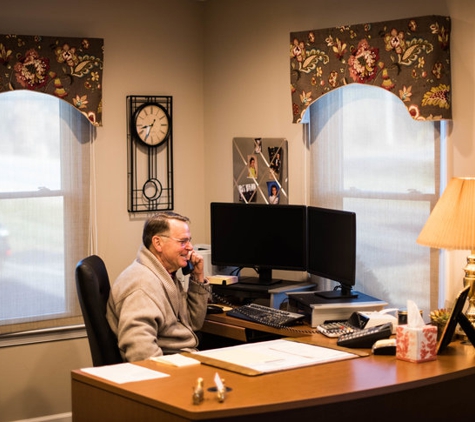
{"x": 92, "y": 284}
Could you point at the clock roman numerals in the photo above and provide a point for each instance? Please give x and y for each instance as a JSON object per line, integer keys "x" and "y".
{"x": 152, "y": 124}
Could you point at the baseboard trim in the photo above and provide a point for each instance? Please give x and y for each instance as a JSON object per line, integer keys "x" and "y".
{"x": 60, "y": 417}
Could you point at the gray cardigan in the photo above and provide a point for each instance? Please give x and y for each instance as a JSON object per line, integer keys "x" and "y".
{"x": 150, "y": 311}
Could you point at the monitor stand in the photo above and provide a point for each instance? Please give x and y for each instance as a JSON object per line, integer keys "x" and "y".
{"x": 264, "y": 279}
{"x": 342, "y": 293}
{"x": 258, "y": 281}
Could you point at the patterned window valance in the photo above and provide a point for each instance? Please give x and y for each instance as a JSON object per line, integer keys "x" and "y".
{"x": 408, "y": 57}
{"x": 68, "y": 68}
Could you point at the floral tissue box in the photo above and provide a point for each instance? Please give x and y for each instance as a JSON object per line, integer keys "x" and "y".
{"x": 416, "y": 344}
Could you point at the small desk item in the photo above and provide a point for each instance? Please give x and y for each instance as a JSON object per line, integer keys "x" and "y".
{"x": 318, "y": 310}
{"x": 124, "y": 372}
{"x": 276, "y": 293}
{"x": 366, "y": 337}
{"x": 457, "y": 317}
{"x": 270, "y": 356}
{"x": 334, "y": 329}
{"x": 176, "y": 360}
{"x": 385, "y": 347}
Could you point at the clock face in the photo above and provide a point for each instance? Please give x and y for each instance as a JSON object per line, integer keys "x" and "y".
{"x": 151, "y": 124}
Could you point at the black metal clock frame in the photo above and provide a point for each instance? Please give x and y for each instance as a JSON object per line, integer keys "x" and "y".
{"x": 149, "y": 168}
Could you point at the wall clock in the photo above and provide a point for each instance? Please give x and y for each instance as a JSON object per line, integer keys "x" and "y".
{"x": 149, "y": 152}
{"x": 151, "y": 124}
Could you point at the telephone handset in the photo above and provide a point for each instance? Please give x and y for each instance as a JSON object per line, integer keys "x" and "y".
{"x": 188, "y": 268}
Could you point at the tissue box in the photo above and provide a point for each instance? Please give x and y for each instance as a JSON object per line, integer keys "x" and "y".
{"x": 416, "y": 344}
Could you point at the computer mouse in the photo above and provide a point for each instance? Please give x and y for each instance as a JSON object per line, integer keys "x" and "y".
{"x": 214, "y": 309}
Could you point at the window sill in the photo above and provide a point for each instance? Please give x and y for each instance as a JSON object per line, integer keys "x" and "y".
{"x": 43, "y": 336}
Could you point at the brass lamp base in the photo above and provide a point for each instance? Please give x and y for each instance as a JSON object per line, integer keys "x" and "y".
{"x": 469, "y": 280}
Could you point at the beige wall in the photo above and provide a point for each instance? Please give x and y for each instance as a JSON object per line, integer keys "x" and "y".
{"x": 226, "y": 65}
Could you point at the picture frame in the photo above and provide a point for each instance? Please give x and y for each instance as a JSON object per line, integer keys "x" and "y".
{"x": 258, "y": 165}
{"x": 457, "y": 317}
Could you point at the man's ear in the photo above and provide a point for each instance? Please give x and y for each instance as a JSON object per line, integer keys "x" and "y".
{"x": 157, "y": 243}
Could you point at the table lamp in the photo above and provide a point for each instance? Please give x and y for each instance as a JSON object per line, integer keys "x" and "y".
{"x": 451, "y": 225}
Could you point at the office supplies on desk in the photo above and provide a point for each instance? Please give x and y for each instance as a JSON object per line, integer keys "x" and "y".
{"x": 366, "y": 337}
{"x": 416, "y": 341}
{"x": 457, "y": 317}
{"x": 335, "y": 329}
{"x": 198, "y": 392}
{"x": 124, "y": 372}
{"x": 223, "y": 280}
{"x": 214, "y": 309}
{"x": 176, "y": 359}
{"x": 384, "y": 347}
{"x": 357, "y": 321}
{"x": 270, "y": 356}
{"x": 265, "y": 315}
{"x": 318, "y": 310}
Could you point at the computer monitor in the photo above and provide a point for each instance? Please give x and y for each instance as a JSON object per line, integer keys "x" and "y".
{"x": 332, "y": 249}
{"x": 260, "y": 236}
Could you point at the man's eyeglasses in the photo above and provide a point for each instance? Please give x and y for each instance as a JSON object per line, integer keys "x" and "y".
{"x": 182, "y": 242}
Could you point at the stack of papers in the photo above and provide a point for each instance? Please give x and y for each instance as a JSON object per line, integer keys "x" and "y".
{"x": 176, "y": 360}
{"x": 124, "y": 372}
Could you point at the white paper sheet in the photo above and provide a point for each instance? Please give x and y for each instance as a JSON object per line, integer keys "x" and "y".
{"x": 124, "y": 372}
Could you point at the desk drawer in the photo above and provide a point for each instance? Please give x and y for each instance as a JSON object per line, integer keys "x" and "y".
{"x": 224, "y": 330}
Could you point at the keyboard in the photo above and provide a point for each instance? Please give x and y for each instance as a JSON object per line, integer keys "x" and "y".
{"x": 265, "y": 315}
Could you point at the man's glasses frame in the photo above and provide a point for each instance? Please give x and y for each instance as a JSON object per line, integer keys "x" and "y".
{"x": 182, "y": 242}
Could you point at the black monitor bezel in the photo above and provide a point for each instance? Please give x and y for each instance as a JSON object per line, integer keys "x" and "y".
{"x": 347, "y": 282}
{"x": 264, "y": 269}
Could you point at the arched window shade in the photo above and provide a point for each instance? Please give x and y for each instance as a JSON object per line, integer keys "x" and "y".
{"x": 408, "y": 57}
{"x": 68, "y": 68}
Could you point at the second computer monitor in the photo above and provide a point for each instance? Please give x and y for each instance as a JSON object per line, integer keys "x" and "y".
{"x": 331, "y": 249}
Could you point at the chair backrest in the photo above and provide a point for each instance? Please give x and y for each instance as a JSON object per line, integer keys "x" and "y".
{"x": 92, "y": 284}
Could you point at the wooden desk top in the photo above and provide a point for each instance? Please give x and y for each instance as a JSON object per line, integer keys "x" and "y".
{"x": 336, "y": 382}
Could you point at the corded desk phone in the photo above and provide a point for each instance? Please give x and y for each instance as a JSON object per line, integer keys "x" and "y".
{"x": 357, "y": 321}
{"x": 357, "y": 332}
{"x": 366, "y": 337}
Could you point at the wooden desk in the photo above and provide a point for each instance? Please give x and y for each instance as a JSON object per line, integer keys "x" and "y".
{"x": 363, "y": 389}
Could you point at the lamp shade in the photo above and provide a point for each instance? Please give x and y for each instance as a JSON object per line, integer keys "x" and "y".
{"x": 451, "y": 225}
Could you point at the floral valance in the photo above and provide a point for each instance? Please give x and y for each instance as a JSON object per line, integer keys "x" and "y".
{"x": 408, "y": 57}
{"x": 68, "y": 68}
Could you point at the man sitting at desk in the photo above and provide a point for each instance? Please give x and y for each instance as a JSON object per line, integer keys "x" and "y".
{"x": 149, "y": 309}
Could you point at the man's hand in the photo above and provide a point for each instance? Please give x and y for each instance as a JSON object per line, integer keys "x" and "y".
{"x": 198, "y": 262}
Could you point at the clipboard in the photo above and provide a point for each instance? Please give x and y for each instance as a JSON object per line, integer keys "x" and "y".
{"x": 272, "y": 356}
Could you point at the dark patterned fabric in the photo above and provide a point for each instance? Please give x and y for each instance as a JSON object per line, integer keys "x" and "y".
{"x": 68, "y": 68}
{"x": 408, "y": 57}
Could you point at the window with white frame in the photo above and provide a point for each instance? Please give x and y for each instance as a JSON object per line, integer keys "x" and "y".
{"x": 367, "y": 155}
{"x": 44, "y": 209}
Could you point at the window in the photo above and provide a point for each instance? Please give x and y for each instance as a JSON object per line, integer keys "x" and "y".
{"x": 369, "y": 156}
{"x": 44, "y": 209}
